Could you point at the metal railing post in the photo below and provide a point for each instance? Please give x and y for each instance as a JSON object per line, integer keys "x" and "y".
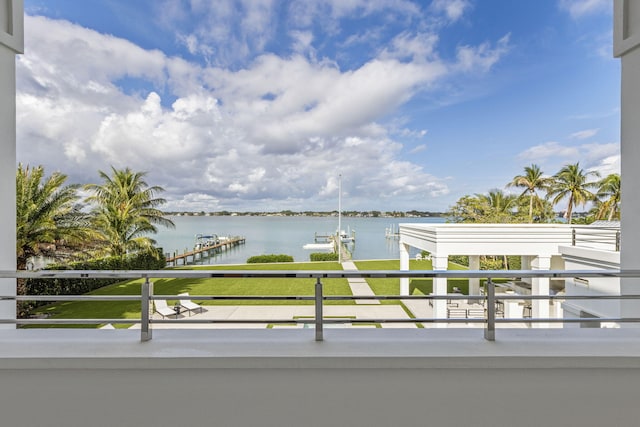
{"x": 573, "y": 237}
{"x": 318, "y": 301}
{"x": 490, "y": 329}
{"x": 145, "y": 330}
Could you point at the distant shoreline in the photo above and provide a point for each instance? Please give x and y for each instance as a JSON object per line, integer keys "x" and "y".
{"x": 347, "y": 214}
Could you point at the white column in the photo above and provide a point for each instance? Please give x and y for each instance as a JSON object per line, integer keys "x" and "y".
{"x": 404, "y": 265}
{"x": 11, "y": 43}
{"x": 440, "y": 262}
{"x": 540, "y": 286}
{"x": 474, "y": 284}
{"x": 512, "y": 310}
{"x": 626, "y": 42}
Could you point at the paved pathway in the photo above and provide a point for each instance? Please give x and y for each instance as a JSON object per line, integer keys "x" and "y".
{"x": 285, "y": 312}
{"x": 359, "y": 286}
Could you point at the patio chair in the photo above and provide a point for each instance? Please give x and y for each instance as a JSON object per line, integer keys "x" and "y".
{"x": 189, "y": 305}
{"x": 163, "y": 309}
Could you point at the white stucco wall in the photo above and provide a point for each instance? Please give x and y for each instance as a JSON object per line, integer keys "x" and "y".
{"x": 577, "y": 258}
{"x": 283, "y": 378}
{"x": 626, "y": 43}
{"x": 11, "y": 39}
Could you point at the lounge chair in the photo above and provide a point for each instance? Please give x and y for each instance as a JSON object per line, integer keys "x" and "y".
{"x": 163, "y": 309}
{"x": 189, "y": 305}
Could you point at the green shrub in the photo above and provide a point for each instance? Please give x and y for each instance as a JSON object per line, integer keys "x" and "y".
{"x": 459, "y": 259}
{"x": 79, "y": 286}
{"x": 264, "y": 259}
{"x": 324, "y": 256}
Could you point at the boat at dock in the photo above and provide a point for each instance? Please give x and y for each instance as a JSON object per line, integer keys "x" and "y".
{"x": 206, "y": 245}
{"x": 206, "y": 240}
{"x": 347, "y": 237}
{"x": 319, "y": 246}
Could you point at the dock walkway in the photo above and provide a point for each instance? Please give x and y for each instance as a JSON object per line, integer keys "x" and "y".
{"x": 359, "y": 286}
{"x": 203, "y": 252}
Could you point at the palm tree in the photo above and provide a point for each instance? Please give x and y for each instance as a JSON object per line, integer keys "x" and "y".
{"x": 125, "y": 211}
{"x": 499, "y": 203}
{"x": 571, "y": 182}
{"x": 531, "y": 181}
{"x": 609, "y": 196}
{"x": 48, "y": 219}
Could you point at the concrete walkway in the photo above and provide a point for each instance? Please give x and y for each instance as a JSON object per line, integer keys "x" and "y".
{"x": 359, "y": 286}
{"x": 268, "y": 313}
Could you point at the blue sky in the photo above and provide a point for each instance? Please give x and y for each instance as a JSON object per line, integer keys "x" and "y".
{"x": 260, "y": 104}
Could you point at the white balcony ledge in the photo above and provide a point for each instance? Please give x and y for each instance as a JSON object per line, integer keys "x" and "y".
{"x": 342, "y": 349}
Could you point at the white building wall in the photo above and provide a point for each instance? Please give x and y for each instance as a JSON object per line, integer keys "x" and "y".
{"x": 626, "y": 42}
{"x": 577, "y": 258}
{"x": 419, "y": 377}
{"x": 11, "y": 42}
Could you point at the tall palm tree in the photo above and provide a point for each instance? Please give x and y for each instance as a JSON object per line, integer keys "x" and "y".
{"x": 609, "y": 196}
{"x": 531, "y": 181}
{"x": 571, "y": 181}
{"x": 48, "y": 219}
{"x": 125, "y": 211}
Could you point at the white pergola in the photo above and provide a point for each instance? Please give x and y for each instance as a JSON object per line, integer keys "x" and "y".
{"x": 537, "y": 244}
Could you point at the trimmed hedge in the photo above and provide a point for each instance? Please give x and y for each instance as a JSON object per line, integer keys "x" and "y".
{"x": 264, "y": 259}
{"x": 79, "y": 286}
{"x": 324, "y": 256}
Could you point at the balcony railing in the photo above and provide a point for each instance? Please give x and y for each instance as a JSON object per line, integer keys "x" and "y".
{"x": 599, "y": 237}
{"x": 490, "y": 300}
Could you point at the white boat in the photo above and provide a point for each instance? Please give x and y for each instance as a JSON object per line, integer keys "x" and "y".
{"x": 319, "y": 246}
{"x": 346, "y": 238}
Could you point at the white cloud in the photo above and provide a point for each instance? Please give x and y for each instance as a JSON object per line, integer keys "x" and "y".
{"x": 604, "y": 158}
{"x": 302, "y": 42}
{"x": 548, "y": 150}
{"x": 607, "y": 166}
{"x": 406, "y": 46}
{"x": 280, "y": 129}
{"x": 453, "y": 9}
{"x": 579, "y": 8}
{"x": 418, "y": 149}
{"x": 316, "y": 100}
{"x": 595, "y": 153}
{"x": 483, "y": 56}
{"x": 584, "y": 134}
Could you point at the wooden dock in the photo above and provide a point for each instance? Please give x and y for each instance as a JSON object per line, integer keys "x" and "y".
{"x": 203, "y": 252}
{"x": 345, "y": 253}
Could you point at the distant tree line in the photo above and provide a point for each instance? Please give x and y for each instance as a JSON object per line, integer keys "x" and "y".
{"x": 364, "y": 214}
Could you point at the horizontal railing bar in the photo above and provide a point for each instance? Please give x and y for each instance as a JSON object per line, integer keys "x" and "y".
{"x": 67, "y": 321}
{"x": 233, "y": 297}
{"x": 71, "y": 298}
{"x": 326, "y": 298}
{"x": 312, "y": 320}
{"x": 154, "y": 297}
{"x": 338, "y": 274}
{"x": 476, "y": 298}
{"x": 456, "y": 297}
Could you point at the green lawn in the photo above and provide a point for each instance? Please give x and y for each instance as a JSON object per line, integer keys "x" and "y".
{"x": 416, "y": 286}
{"x": 210, "y": 286}
{"x": 257, "y": 286}
{"x": 230, "y": 286}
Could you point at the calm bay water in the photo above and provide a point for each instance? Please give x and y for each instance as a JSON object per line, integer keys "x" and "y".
{"x": 283, "y": 235}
